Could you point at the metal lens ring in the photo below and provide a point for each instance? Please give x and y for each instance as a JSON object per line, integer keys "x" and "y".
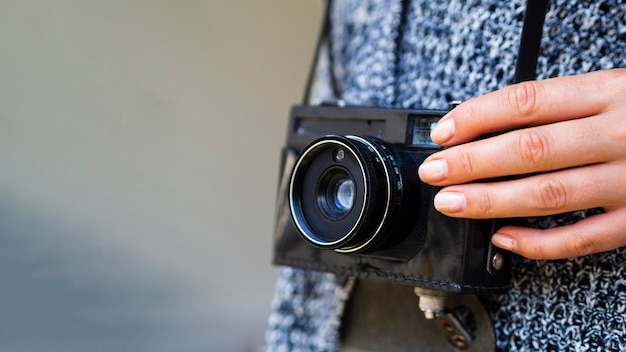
{"x": 340, "y": 193}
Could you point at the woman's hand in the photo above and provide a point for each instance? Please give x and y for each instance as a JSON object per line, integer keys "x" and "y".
{"x": 569, "y": 132}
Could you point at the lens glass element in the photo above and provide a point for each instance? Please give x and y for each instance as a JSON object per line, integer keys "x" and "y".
{"x": 344, "y": 194}
{"x": 336, "y": 193}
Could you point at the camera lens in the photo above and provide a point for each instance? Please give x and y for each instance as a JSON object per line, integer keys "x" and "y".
{"x": 342, "y": 192}
{"x": 336, "y": 192}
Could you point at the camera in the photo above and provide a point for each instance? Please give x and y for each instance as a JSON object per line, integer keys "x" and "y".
{"x": 350, "y": 202}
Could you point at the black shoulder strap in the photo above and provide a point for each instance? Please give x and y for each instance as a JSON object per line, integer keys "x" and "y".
{"x": 530, "y": 41}
{"x": 324, "y": 39}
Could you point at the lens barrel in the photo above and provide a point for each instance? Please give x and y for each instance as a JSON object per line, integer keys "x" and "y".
{"x": 344, "y": 191}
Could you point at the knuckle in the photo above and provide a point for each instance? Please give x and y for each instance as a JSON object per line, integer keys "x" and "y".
{"x": 550, "y": 194}
{"x": 464, "y": 159}
{"x": 523, "y": 97}
{"x": 471, "y": 112}
{"x": 580, "y": 244}
{"x": 533, "y": 147}
{"x": 484, "y": 205}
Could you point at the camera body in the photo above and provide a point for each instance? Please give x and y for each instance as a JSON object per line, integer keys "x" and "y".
{"x": 350, "y": 202}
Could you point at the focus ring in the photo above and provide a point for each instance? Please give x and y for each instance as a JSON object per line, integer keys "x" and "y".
{"x": 365, "y": 170}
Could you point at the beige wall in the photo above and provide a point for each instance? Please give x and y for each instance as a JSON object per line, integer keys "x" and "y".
{"x": 139, "y": 145}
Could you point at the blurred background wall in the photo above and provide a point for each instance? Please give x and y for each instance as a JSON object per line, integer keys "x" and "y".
{"x": 139, "y": 146}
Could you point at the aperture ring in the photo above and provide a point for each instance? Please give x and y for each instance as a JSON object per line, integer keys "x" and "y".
{"x": 377, "y": 190}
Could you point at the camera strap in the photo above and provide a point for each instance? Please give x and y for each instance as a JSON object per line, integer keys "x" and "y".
{"x": 323, "y": 41}
{"x": 530, "y": 40}
{"x": 527, "y": 56}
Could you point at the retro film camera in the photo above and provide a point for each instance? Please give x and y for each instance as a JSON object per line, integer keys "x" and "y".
{"x": 350, "y": 202}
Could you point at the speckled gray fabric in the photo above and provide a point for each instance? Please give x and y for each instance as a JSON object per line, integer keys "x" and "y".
{"x": 423, "y": 54}
{"x": 463, "y": 49}
{"x": 363, "y": 65}
{"x": 306, "y": 311}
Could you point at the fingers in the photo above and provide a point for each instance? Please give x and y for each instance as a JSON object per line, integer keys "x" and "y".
{"x": 568, "y": 133}
{"x": 592, "y": 235}
{"x": 532, "y": 103}
{"x": 545, "y": 194}
{"x": 545, "y": 148}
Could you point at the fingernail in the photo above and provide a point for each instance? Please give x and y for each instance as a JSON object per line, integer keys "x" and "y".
{"x": 504, "y": 241}
{"x": 450, "y": 202}
{"x": 433, "y": 171}
{"x": 443, "y": 131}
